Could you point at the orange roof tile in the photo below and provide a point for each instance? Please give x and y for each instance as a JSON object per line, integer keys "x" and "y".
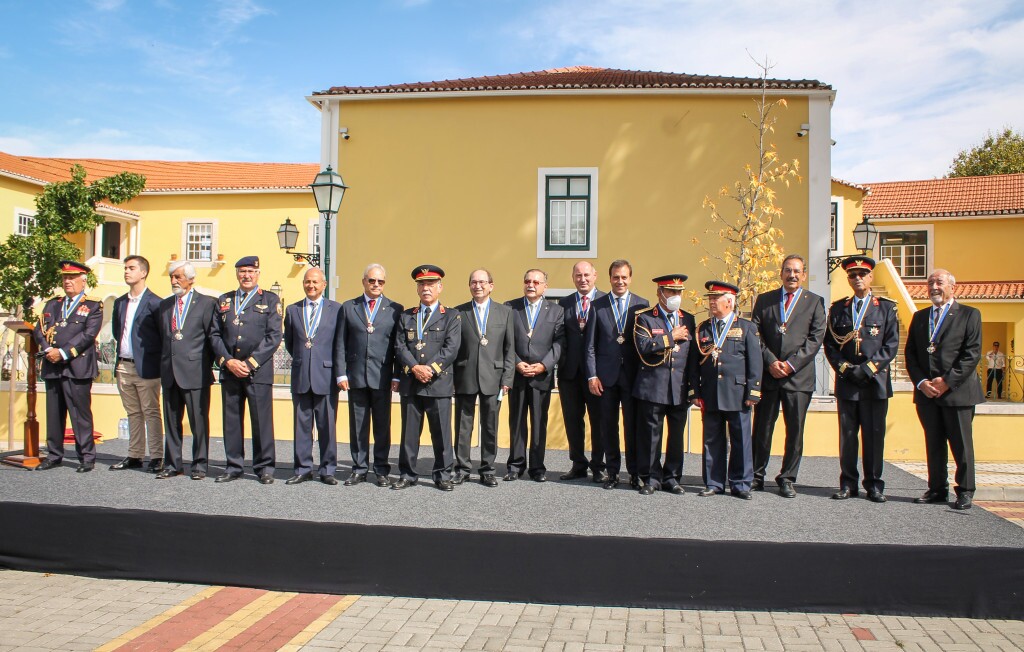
{"x": 1001, "y": 194}
{"x": 850, "y": 184}
{"x": 169, "y": 176}
{"x": 578, "y": 77}
{"x": 973, "y": 290}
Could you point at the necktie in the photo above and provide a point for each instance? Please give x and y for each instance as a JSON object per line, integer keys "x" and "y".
{"x": 585, "y": 302}
{"x": 311, "y": 305}
{"x": 789, "y": 298}
{"x": 672, "y": 320}
{"x": 174, "y": 315}
{"x": 935, "y": 318}
{"x": 719, "y": 325}
{"x": 426, "y": 315}
{"x": 856, "y": 305}
{"x": 373, "y": 302}
{"x": 618, "y": 304}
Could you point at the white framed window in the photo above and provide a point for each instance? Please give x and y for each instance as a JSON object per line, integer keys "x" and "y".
{"x": 833, "y": 226}
{"x": 24, "y": 220}
{"x": 567, "y": 211}
{"x": 199, "y": 241}
{"x": 314, "y": 234}
{"x": 909, "y": 248}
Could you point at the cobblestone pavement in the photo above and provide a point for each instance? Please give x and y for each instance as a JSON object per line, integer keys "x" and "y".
{"x": 62, "y": 612}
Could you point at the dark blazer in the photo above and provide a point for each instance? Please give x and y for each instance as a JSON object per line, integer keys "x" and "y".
{"x": 368, "y": 359}
{"x": 660, "y": 379}
{"x": 798, "y": 345}
{"x": 442, "y": 335}
{"x": 254, "y": 340}
{"x": 571, "y": 362}
{"x": 546, "y": 344}
{"x": 868, "y": 374}
{"x": 188, "y": 362}
{"x": 736, "y": 377}
{"x": 145, "y": 332}
{"x": 956, "y": 356}
{"x": 77, "y": 339}
{"x": 483, "y": 369}
{"x": 604, "y": 357}
{"x": 314, "y": 370}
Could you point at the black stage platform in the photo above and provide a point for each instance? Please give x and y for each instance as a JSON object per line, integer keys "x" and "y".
{"x": 557, "y": 542}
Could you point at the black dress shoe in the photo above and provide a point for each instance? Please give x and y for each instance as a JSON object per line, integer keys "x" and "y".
{"x": 444, "y": 485}
{"x": 488, "y": 480}
{"x": 757, "y": 484}
{"x": 267, "y": 478}
{"x": 634, "y": 482}
{"x": 46, "y": 465}
{"x": 511, "y": 476}
{"x": 198, "y": 475}
{"x": 964, "y": 501}
{"x": 708, "y": 491}
{"x": 168, "y": 472}
{"x": 355, "y": 479}
{"x": 329, "y": 479}
{"x": 127, "y": 463}
{"x": 383, "y": 481}
{"x": 611, "y": 482}
{"x": 460, "y": 477}
{"x": 931, "y": 497}
{"x": 786, "y": 489}
{"x": 402, "y": 483}
{"x": 742, "y": 495}
{"x": 876, "y": 496}
{"x": 677, "y": 489}
{"x": 647, "y": 489}
{"x": 600, "y": 477}
{"x": 84, "y": 468}
{"x": 574, "y": 474}
{"x": 540, "y": 477}
{"x": 228, "y": 477}
{"x": 300, "y": 478}
{"x": 843, "y": 494}
{"x": 155, "y": 465}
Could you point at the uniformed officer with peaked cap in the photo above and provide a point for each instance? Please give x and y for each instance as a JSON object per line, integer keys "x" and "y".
{"x": 728, "y": 385}
{"x": 861, "y": 343}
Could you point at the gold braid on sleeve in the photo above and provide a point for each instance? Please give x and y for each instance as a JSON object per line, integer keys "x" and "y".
{"x": 706, "y": 352}
{"x": 665, "y": 355}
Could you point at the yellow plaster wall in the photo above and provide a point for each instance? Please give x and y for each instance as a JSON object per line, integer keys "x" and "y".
{"x": 852, "y": 210}
{"x": 15, "y": 194}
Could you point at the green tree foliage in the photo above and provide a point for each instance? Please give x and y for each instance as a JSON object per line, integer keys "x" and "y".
{"x": 29, "y": 264}
{"x": 752, "y": 254}
{"x": 999, "y": 154}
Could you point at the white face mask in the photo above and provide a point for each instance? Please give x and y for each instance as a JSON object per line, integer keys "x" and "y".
{"x": 673, "y": 302}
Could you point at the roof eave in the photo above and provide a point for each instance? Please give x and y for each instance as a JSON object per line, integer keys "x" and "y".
{"x": 317, "y": 99}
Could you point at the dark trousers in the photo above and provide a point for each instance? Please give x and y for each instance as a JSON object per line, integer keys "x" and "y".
{"x": 196, "y": 402}
{"x": 439, "y": 419}
{"x": 528, "y": 404}
{"x": 866, "y": 418}
{"x": 576, "y": 400}
{"x": 72, "y": 396}
{"x": 766, "y": 413}
{"x": 611, "y": 399}
{"x": 465, "y": 411}
{"x": 741, "y": 467}
{"x": 366, "y": 406}
{"x": 995, "y": 376}
{"x": 322, "y": 410}
{"x": 650, "y": 425}
{"x": 953, "y": 425}
{"x": 235, "y": 392}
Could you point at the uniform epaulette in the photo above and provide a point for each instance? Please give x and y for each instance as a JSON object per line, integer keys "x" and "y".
{"x": 838, "y": 301}
{"x": 889, "y": 299}
{"x": 96, "y": 299}
{"x": 647, "y": 309}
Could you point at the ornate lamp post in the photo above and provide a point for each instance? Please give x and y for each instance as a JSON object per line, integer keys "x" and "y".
{"x": 865, "y": 235}
{"x": 287, "y": 235}
{"x": 328, "y": 190}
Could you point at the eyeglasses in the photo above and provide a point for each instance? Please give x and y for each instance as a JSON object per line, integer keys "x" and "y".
{"x": 856, "y": 274}
{"x": 375, "y": 281}
{"x": 479, "y": 282}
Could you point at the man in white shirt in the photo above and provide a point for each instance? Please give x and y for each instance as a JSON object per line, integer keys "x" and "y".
{"x": 996, "y": 365}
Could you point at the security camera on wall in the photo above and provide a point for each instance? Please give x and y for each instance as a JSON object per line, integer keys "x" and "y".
{"x": 804, "y": 130}
{"x": 344, "y": 133}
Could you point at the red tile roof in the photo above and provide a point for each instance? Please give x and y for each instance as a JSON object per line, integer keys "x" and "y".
{"x": 1001, "y": 194}
{"x": 578, "y": 77}
{"x": 169, "y": 176}
{"x": 973, "y": 290}
{"x": 850, "y": 184}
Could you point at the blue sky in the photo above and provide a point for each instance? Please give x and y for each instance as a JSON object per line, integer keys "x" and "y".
{"x": 227, "y": 79}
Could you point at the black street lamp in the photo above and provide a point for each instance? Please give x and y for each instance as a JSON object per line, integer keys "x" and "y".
{"x": 287, "y": 236}
{"x": 865, "y": 235}
{"x": 328, "y": 190}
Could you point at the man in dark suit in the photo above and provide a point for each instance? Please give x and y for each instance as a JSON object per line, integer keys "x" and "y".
{"x": 538, "y": 326}
{"x": 610, "y": 363}
{"x": 312, "y": 336}
{"x": 483, "y": 372}
{"x": 662, "y": 337}
{"x": 791, "y": 323}
{"x": 942, "y": 354}
{"x": 426, "y": 342}
{"x": 367, "y": 330}
{"x": 573, "y": 389}
{"x": 186, "y": 370}
{"x": 66, "y": 334}
{"x": 246, "y": 335}
{"x": 728, "y": 386}
{"x": 137, "y": 338}
{"x": 863, "y": 339}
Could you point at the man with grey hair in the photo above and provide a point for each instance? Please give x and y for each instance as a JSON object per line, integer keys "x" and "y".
{"x": 942, "y": 354}
{"x": 186, "y": 370}
{"x": 366, "y": 326}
